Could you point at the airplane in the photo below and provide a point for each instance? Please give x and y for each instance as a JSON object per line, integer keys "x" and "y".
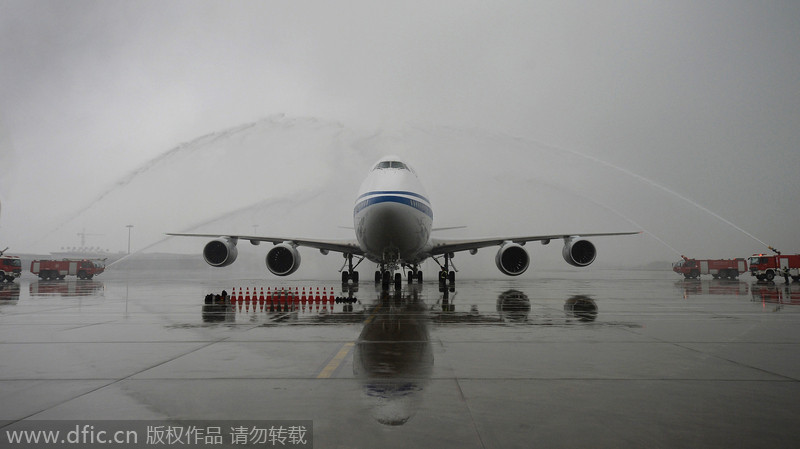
{"x": 393, "y": 221}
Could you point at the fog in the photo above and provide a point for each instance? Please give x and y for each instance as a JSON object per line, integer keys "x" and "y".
{"x": 675, "y": 118}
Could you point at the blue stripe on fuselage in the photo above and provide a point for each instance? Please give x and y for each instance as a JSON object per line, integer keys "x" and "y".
{"x": 419, "y": 205}
{"x": 394, "y": 192}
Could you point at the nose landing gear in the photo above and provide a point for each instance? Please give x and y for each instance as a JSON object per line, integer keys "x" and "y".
{"x": 384, "y": 277}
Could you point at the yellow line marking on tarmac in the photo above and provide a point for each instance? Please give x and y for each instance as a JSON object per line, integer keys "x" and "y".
{"x": 373, "y": 315}
{"x": 333, "y": 365}
{"x": 336, "y": 361}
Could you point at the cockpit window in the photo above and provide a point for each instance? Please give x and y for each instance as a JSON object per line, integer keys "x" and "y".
{"x": 391, "y": 164}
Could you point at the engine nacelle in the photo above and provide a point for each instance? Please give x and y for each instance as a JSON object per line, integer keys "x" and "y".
{"x": 283, "y": 259}
{"x": 512, "y": 259}
{"x": 220, "y": 252}
{"x": 579, "y": 253}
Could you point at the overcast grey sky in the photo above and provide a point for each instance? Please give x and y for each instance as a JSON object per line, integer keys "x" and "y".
{"x": 700, "y": 97}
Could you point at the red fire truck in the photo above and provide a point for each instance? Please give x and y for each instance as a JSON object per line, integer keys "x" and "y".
{"x": 719, "y": 268}
{"x": 59, "y": 269}
{"x": 765, "y": 267}
{"x": 10, "y": 267}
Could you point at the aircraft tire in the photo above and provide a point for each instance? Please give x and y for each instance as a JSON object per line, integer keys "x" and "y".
{"x": 387, "y": 277}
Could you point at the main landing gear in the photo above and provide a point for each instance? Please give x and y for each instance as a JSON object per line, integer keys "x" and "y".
{"x": 350, "y": 274}
{"x": 445, "y": 274}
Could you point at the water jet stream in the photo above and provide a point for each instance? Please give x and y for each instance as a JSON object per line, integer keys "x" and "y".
{"x": 612, "y": 210}
{"x": 657, "y": 186}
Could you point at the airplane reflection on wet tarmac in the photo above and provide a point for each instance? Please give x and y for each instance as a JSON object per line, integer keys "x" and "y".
{"x": 512, "y": 306}
{"x": 392, "y": 356}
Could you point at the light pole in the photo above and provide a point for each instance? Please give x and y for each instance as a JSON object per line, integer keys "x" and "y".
{"x": 129, "y": 237}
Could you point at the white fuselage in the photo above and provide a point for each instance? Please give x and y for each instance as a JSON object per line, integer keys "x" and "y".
{"x": 392, "y": 216}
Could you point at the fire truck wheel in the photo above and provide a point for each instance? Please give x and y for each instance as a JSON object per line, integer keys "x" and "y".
{"x": 770, "y": 275}
{"x": 695, "y": 274}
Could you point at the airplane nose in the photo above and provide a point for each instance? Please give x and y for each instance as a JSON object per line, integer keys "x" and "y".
{"x": 388, "y": 224}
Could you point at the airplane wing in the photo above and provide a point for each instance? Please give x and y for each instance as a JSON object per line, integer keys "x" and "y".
{"x": 339, "y": 246}
{"x": 441, "y": 246}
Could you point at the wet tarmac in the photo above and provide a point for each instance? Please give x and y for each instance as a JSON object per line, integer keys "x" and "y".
{"x": 567, "y": 359}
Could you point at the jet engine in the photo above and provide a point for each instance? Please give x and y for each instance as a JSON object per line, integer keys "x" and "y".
{"x": 283, "y": 259}
{"x": 220, "y": 252}
{"x": 579, "y": 253}
{"x": 512, "y": 259}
